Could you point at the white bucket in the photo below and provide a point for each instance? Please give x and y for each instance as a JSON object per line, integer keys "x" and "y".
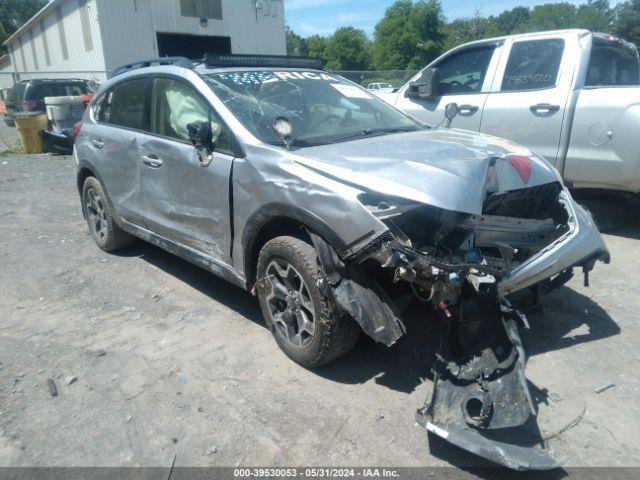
{"x": 64, "y": 112}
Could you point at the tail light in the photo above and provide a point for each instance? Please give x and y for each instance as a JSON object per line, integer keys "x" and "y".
{"x": 28, "y": 105}
{"x": 76, "y": 130}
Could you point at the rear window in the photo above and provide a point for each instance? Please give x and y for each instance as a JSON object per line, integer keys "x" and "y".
{"x": 612, "y": 64}
{"x": 16, "y": 94}
{"x": 38, "y": 91}
{"x": 533, "y": 65}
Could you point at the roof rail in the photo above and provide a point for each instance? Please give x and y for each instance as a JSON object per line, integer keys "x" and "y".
{"x": 215, "y": 60}
{"x": 177, "y": 61}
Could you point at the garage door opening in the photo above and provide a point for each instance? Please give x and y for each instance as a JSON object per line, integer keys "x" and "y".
{"x": 191, "y": 46}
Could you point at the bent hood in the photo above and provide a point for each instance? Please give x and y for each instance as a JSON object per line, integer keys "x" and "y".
{"x": 445, "y": 168}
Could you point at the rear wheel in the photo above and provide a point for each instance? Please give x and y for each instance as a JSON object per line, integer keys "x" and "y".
{"x": 99, "y": 215}
{"x": 294, "y": 307}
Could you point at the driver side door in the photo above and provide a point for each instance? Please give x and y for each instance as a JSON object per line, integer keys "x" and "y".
{"x": 465, "y": 79}
{"x": 187, "y": 202}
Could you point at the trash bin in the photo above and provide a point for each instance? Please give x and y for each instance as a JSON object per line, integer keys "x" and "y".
{"x": 29, "y": 126}
{"x": 64, "y": 112}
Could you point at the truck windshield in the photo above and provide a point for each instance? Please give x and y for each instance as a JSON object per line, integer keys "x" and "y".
{"x": 613, "y": 64}
{"x": 321, "y": 108}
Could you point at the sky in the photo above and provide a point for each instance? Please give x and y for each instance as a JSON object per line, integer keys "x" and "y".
{"x": 309, "y": 17}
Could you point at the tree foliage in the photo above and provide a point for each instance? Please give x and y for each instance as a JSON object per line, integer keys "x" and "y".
{"x": 414, "y": 32}
{"x": 14, "y": 13}
{"x": 411, "y": 34}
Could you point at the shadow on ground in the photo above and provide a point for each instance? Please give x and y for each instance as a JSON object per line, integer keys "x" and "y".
{"x": 614, "y": 213}
{"x": 407, "y": 364}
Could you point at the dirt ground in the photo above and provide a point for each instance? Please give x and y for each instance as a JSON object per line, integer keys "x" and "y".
{"x": 154, "y": 357}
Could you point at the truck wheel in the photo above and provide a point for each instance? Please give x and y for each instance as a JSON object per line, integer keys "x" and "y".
{"x": 98, "y": 213}
{"x": 295, "y": 310}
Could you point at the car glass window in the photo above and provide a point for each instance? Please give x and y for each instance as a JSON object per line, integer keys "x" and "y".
{"x": 40, "y": 91}
{"x": 16, "y": 94}
{"x": 464, "y": 72}
{"x": 322, "y": 108}
{"x": 74, "y": 89}
{"x": 176, "y": 105}
{"x": 612, "y": 64}
{"x": 128, "y": 104}
{"x": 533, "y": 65}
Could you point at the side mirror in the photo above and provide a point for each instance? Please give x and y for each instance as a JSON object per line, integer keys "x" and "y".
{"x": 201, "y": 137}
{"x": 427, "y": 86}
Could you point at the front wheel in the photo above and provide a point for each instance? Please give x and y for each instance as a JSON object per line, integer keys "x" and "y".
{"x": 99, "y": 215}
{"x": 294, "y": 307}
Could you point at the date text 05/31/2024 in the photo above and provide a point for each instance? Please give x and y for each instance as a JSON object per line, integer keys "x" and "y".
{"x": 265, "y": 473}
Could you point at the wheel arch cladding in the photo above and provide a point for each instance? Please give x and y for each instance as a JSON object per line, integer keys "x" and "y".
{"x": 277, "y": 219}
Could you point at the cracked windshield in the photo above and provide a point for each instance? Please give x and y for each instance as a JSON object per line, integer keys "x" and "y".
{"x": 321, "y": 108}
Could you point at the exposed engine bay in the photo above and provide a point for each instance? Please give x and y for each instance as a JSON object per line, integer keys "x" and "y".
{"x": 456, "y": 263}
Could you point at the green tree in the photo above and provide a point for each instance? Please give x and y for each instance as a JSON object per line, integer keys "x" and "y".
{"x": 510, "y": 20}
{"x": 317, "y": 46}
{"x": 595, "y": 15}
{"x": 550, "y": 16}
{"x": 467, "y": 30}
{"x": 296, "y": 45}
{"x": 626, "y": 23}
{"x": 14, "y": 14}
{"x": 348, "y": 49}
{"x": 409, "y": 36}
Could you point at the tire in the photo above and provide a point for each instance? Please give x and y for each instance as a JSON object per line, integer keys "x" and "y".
{"x": 99, "y": 214}
{"x": 332, "y": 336}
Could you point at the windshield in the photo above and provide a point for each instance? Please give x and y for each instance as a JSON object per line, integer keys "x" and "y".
{"x": 321, "y": 108}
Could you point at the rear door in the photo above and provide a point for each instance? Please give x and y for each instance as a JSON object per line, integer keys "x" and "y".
{"x": 465, "y": 78}
{"x": 603, "y": 150}
{"x": 529, "y": 97}
{"x": 120, "y": 127}
{"x": 185, "y": 201}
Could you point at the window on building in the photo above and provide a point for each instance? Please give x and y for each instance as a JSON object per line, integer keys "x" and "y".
{"x": 201, "y": 9}
{"x": 533, "y": 65}
{"x": 126, "y": 105}
{"x": 83, "y": 6}
{"x": 464, "y": 72}
{"x": 61, "y": 33}
{"x": 176, "y": 105}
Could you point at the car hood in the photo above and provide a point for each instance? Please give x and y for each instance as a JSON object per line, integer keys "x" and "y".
{"x": 447, "y": 168}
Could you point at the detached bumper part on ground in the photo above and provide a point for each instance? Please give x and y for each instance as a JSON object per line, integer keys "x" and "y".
{"x": 532, "y": 238}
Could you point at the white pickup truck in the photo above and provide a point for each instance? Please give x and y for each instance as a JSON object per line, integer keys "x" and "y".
{"x": 571, "y": 96}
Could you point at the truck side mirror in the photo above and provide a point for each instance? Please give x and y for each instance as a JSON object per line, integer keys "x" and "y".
{"x": 427, "y": 86}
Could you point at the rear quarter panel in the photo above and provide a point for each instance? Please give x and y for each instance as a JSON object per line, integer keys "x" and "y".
{"x": 603, "y": 150}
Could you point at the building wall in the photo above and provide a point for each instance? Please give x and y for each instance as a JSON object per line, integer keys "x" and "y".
{"x": 40, "y": 50}
{"x": 129, "y": 27}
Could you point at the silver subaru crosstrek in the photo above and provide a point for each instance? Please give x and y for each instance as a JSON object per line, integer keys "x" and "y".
{"x": 339, "y": 211}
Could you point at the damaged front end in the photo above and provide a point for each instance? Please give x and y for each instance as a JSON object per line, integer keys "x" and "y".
{"x": 465, "y": 267}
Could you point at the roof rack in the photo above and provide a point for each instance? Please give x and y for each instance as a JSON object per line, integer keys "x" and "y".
{"x": 177, "y": 61}
{"x": 215, "y": 60}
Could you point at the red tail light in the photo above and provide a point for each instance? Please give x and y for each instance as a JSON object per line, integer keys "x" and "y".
{"x": 76, "y": 130}
{"x": 28, "y": 105}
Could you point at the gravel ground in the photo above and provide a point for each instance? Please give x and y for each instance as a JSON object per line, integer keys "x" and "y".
{"x": 153, "y": 357}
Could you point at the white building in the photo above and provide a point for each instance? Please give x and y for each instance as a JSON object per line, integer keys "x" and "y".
{"x": 90, "y": 38}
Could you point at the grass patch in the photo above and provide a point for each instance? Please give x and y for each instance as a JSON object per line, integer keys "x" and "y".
{"x": 15, "y": 150}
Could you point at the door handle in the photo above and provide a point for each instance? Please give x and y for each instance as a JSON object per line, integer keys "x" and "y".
{"x": 152, "y": 161}
{"x": 544, "y": 108}
{"x": 468, "y": 109}
{"x": 99, "y": 144}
